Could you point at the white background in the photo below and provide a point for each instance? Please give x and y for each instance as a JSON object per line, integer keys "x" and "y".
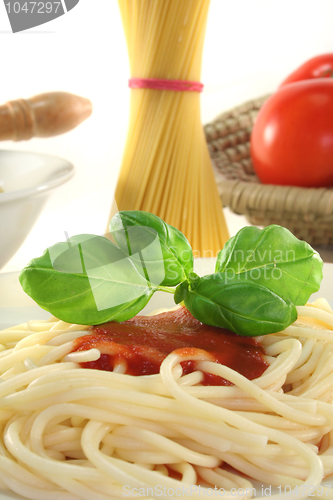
{"x": 251, "y": 45}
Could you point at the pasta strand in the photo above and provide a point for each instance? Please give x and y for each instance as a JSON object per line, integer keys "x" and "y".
{"x": 166, "y": 167}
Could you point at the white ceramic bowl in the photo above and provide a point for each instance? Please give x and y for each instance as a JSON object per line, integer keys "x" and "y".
{"x": 27, "y": 180}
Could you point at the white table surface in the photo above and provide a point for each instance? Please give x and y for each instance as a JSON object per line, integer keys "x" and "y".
{"x": 250, "y": 46}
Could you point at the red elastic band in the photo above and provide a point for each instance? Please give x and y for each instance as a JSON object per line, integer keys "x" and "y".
{"x": 165, "y": 84}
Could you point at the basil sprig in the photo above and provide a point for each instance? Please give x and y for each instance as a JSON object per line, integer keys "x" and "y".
{"x": 275, "y": 258}
{"x": 260, "y": 276}
{"x": 135, "y": 231}
{"x": 246, "y": 307}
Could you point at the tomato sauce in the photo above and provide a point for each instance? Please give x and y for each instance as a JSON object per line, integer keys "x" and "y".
{"x": 142, "y": 343}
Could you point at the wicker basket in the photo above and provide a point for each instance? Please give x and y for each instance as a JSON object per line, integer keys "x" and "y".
{"x": 306, "y": 212}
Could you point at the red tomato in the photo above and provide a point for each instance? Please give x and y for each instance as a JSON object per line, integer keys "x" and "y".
{"x": 292, "y": 138}
{"x": 317, "y": 67}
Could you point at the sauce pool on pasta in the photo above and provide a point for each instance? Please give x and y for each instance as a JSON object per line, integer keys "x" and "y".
{"x": 140, "y": 345}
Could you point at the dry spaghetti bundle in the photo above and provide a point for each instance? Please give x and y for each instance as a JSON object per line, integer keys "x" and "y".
{"x": 166, "y": 167}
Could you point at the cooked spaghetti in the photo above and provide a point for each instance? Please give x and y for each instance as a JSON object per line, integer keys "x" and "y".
{"x": 166, "y": 167}
{"x": 74, "y": 433}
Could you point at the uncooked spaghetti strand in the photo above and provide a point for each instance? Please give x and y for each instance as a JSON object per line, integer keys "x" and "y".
{"x": 133, "y": 26}
{"x": 190, "y": 194}
{"x": 167, "y": 142}
{"x": 152, "y": 163}
{"x": 140, "y": 158}
{"x": 207, "y": 192}
{"x": 204, "y": 216}
{"x": 167, "y": 208}
{"x": 192, "y": 63}
{"x": 180, "y": 40}
{"x": 177, "y": 213}
{"x": 214, "y": 208}
{"x": 190, "y": 58}
{"x": 160, "y": 175}
{"x": 188, "y": 175}
{"x": 192, "y": 210}
{"x": 217, "y": 213}
{"x": 169, "y": 188}
{"x": 170, "y": 51}
{"x": 147, "y": 61}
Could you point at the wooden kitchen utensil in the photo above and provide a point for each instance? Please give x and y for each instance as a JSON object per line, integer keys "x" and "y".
{"x": 44, "y": 115}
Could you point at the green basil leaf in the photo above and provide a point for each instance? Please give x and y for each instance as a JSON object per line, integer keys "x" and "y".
{"x": 167, "y": 263}
{"x": 275, "y": 258}
{"x": 193, "y": 281}
{"x": 181, "y": 292}
{"x": 87, "y": 280}
{"x": 246, "y": 308}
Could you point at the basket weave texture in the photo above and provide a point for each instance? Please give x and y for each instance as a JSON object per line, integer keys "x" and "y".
{"x": 306, "y": 212}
